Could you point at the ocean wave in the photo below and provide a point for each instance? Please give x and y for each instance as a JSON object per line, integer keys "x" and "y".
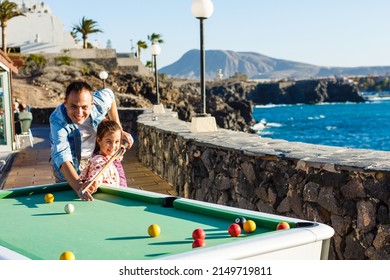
{"x": 274, "y": 124}
{"x": 316, "y": 117}
{"x": 265, "y": 133}
{"x": 272, "y": 105}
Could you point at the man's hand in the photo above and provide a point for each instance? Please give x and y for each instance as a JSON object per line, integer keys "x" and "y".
{"x": 128, "y": 138}
{"x": 87, "y": 194}
{"x": 91, "y": 189}
{"x": 74, "y": 181}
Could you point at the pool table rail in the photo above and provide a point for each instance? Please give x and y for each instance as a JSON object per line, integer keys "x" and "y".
{"x": 305, "y": 239}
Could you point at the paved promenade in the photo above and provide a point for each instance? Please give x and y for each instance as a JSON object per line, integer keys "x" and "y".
{"x": 30, "y": 166}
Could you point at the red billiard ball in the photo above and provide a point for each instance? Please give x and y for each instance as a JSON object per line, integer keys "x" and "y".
{"x": 283, "y": 225}
{"x": 198, "y": 243}
{"x": 234, "y": 230}
{"x": 198, "y": 234}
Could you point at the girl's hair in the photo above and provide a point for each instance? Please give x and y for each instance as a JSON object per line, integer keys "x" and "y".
{"x": 104, "y": 127}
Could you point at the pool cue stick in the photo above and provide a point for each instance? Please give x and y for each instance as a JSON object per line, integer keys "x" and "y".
{"x": 106, "y": 165}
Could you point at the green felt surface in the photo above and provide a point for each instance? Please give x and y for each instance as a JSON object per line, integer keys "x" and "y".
{"x": 113, "y": 226}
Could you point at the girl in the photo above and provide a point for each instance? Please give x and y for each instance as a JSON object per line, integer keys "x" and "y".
{"x": 108, "y": 142}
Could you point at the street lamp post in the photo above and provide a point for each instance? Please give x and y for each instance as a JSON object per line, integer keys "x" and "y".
{"x": 202, "y": 9}
{"x": 103, "y": 76}
{"x": 155, "y": 51}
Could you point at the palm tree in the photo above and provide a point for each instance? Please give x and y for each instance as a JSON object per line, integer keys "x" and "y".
{"x": 149, "y": 65}
{"x": 73, "y": 33}
{"x": 141, "y": 45}
{"x": 155, "y": 38}
{"x": 86, "y": 27}
{"x": 8, "y": 10}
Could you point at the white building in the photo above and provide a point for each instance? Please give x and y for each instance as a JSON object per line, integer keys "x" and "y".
{"x": 39, "y": 31}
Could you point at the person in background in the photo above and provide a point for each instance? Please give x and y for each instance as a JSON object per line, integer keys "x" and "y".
{"x": 24, "y": 113}
{"x": 15, "y": 108}
{"x": 2, "y": 125}
{"x": 73, "y": 126}
{"x": 108, "y": 142}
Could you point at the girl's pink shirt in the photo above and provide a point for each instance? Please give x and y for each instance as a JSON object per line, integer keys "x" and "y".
{"x": 109, "y": 177}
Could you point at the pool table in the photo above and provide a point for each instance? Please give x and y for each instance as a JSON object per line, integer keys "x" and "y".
{"x": 115, "y": 227}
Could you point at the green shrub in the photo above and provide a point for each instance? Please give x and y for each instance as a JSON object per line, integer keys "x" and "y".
{"x": 33, "y": 64}
{"x": 64, "y": 60}
{"x": 37, "y": 60}
{"x": 85, "y": 70}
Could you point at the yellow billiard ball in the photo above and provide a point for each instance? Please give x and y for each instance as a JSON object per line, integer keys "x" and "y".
{"x": 154, "y": 230}
{"x": 249, "y": 226}
{"x": 49, "y": 198}
{"x": 67, "y": 256}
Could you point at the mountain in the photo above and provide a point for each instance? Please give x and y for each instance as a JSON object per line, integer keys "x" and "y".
{"x": 258, "y": 66}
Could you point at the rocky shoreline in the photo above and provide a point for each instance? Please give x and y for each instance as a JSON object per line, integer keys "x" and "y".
{"x": 230, "y": 101}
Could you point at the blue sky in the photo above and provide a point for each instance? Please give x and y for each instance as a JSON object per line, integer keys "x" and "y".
{"x": 320, "y": 32}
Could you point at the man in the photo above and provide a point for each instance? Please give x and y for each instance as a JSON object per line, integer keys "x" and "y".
{"x": 73, "y": 127}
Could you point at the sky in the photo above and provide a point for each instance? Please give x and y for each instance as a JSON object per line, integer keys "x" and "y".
{"x": 345, "y": 33}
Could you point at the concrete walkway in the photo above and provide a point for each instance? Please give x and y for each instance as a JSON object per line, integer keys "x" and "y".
{"x": 30, "y": 166}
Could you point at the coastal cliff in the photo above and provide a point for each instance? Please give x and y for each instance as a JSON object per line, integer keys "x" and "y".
{"x": 305, "y": 92}
{"x": 230, "y": 101}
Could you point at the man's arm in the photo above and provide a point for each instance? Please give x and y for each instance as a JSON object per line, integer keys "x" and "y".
{"x": 114, "y": 116}
{"x": 61, "y": 155}
{"x": 71, "y": 176}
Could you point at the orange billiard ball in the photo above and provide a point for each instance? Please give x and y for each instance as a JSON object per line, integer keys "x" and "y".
{"x": 67, "y": 256}
{"x": 283, "y": 225}
{"x": 49, "y": 198}
{"x": 249, "y": 226}
{"x": 154, "y": 230}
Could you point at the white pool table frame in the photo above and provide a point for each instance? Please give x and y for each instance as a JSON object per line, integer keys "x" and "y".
{"x": 302, "y": 243}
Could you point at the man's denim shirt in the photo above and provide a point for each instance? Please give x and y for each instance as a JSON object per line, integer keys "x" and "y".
{"x": 65, "y": 135}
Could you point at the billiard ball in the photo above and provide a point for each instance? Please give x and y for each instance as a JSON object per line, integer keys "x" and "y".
{"x": 198, "y": 234}
{"x": 49, "y": 198}
{"x": 240, "y": 221}
{"x": 198, "y": 243}
{"x": 249, "y": 226}
{"x": 69, "y": 208}
{"x": 283, "y": 225}
{"x": 67, "y": 256}
{"x": 234, "y": 230}
{"x": 154, "y": 230}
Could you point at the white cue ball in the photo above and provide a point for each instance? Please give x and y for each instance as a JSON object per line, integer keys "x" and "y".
{"x": 69, "y": 208}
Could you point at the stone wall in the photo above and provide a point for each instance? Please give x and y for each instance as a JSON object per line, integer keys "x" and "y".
{"x": 104, "y": 57}
{"x": 348, "y": 189}
{"x": 92, "y": 53}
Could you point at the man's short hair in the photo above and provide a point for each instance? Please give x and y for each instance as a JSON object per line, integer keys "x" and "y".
{"x": 77, "y": 87}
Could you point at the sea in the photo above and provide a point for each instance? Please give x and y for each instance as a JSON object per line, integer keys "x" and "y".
{"x": 354, "y": 125}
